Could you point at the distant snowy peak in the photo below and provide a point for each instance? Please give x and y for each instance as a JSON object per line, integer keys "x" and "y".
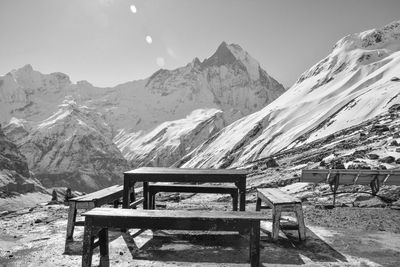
{"x": 70, "y": 113}
{"x": 171, "y": 140}
{"x": 356, "y": 50}
{"x": 29, "y": 78}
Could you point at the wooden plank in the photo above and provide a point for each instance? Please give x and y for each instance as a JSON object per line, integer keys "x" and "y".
{"x": 115, "y": 191}
{"x": 136, "y": 203}
{"x": 189, "y": 171}
{"x": 126, "y": 213}
{"x": 185, "y": 175}
{"x": 364, "y": 177}
{"x": 275, "y": 196}
{"x": 193, "y": 188}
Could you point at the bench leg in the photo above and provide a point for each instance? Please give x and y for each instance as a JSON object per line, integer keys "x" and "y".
{"x": 152, "y": 200}
{"x": 258, "y": 204}
{"x": 87, "y": 248}
{"x": 116, "y": 203}
{"x": 276, "y": 218}
{"x": 300, "y": 222}
{"x": 71, "y": 221}
{"x": 145, "y": 195}
{"x": 255, "y": 244}
{"x": 103, "y": 242}
{"x": 235, "y": 200}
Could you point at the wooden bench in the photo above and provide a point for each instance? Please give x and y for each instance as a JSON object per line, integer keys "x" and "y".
{"x": 281, "y": 202}
{"x": 98, "y": 220}
{"x": 190, "y": 188}
{"x": 108, "y": 195}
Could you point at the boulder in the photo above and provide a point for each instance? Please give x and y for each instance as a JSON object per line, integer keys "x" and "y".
{"x": 388, "y": 159}
{"x": 373, "y": 156}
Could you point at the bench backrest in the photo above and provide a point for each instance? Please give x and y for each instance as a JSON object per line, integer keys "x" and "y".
{"x": 347, "y": 176}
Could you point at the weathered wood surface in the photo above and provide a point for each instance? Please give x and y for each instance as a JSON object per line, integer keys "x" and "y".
{"x": 280, "y": 202}
{"x": 185, "y": 175}
{"x": 182, "y": 175}
{"x": 112, "y": 192}
{"x": 346, "y": 177}
{"x": 103, "y": 218}
{"x": 276, "y": 196}
{"x": 159, "y": 214}
{"x": 191, "y": 188}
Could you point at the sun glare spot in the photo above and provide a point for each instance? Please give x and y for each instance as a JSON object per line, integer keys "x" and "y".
{"x": 149, "y": 40}
{"x": 133, "y": 9}
{"x": 160, "y": 62}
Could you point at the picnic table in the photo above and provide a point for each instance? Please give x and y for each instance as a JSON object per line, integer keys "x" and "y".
{"x": 181, "y": 175}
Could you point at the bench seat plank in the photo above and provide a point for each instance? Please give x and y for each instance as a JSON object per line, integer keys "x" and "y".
{"x": 106, "y": 193}
{"x": 276, "y": 196}
{"x": 125, "y": 213}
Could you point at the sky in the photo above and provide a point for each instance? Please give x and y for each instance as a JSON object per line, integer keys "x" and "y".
{"x": 108, "y": 42}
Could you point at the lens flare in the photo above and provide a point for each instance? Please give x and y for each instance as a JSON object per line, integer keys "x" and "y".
{"x": 133, "y": 9}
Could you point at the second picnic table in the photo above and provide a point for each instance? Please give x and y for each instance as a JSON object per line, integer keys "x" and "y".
{"x": 182, "y": 175}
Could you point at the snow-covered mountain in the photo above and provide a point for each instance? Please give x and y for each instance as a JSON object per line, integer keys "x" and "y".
{"x": 14, "y": 171}
{"x": 230, "y": 80}
{"x": 71, "y": 148}
{"x": 356, "y": 82}
{"x": 169, "y": 141}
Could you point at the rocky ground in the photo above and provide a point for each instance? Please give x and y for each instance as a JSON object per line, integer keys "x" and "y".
{"x": 344, "y": 236}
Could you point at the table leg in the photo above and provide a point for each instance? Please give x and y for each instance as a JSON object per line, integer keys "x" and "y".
{"x": 242, "y": 194}
{"x": 125, "y": 196}
{"x": 255, "y": 244}
{"x": 146, "y": 195}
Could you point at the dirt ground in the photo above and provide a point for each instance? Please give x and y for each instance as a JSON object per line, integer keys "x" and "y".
{"x": 345, "y": 236}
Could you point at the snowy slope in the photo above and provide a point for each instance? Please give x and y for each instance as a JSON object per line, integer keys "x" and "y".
{"x": 71, "y": 148}
{"x": 169, "y": 141}
{"x": 352, "y": 84}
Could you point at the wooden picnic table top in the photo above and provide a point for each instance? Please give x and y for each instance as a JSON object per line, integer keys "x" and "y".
{"x": 185, "y": 171}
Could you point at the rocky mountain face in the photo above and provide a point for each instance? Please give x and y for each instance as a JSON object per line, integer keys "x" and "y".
{"x": 166, "y": 144}
{"x": 14, "y": 171}
{"x": 356, "y": 82}
{"x": 150, "y": 119}
{"x": 230, "y": 80}
{"x": 72, "y": 148}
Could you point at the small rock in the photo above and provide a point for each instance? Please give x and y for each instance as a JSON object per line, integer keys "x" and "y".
{"x": 394, "y": 143}
{"x": 398, "y": 161}
{"x": 11, "y": 255}
{"x": 388, "y": 159}
{"x": 398, "y": 149}
{"x": 396, "y": 205}
{"x": 38, "y": 221}
{"x": 373, "y": 156}
{"x": 395, "y": 79}
{"x": 121, "y": 253}
{"x": 370, "y": 203}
